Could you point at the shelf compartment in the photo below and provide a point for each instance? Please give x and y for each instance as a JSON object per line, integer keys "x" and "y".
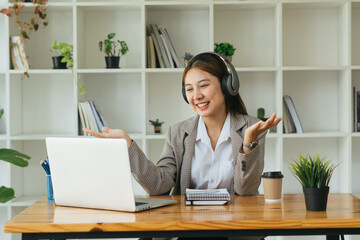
{"x": 4, "y": 170}
{"x": 272, "y": 157}
{"x": 3, "y": 104}
{"x": 93, "y": 26}
{"x": 42, "y": 104}
{"x": 335, "y": 149}
{"x": 107, "y": 2}
{"x": 4, "y": 43}
{"x": 355, "y": 33}
{"x": 118, "y": 97}
{"x": 255, "y": 35}
{"x": 37, "y": 48}
{"x": 171, "y": 106}
{"x": 4, "y": 217}
{"x": 154, "y": 149}
{"x": 30, "y": 180}
{"x": 50, "y": 2}
{"x": 355, "y": 164}
{"x": 314, "y": 34}
{"x": 355, "y": 89}
{"x": 258, "y": 89}
{"x": 319, "y": 112}
{"x": 105, "y": 71}
{"x": 187, "y": 25}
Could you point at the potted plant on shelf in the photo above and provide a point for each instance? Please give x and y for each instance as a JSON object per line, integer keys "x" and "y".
{"x": 314, "y": 174}
{"x": 157, "y": 125}
{"x": 62, "y": 55}
{"x": 113, "y": 50}
{"x": 16, "y": 158}
{"x": 187, "y": 58}
{"x": 225, "y": 49}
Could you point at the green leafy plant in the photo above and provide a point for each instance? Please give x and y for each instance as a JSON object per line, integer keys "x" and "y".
{"x": 225, "y": 49}
{"x": 66, "y": 50}
{"x": 156, "y": 123}
{"x": 16, "y": 158}
{"x": 260, "y": 113}
{"x": 313, "y": 172}
{"x": 112, "y": 47}
{"x": 26, "y": 27}
{"x": 63, "y": 49}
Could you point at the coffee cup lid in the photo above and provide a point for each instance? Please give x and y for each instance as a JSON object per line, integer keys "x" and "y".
{"x": 276, "y": 174}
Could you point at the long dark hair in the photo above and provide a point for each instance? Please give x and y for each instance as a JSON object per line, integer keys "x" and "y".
{"x": 212, "y": 64}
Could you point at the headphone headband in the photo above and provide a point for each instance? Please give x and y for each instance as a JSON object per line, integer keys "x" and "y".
{"x": 230, "y": 83}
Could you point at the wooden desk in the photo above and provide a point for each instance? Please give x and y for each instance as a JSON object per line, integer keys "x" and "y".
{"x": 250, "y": 216}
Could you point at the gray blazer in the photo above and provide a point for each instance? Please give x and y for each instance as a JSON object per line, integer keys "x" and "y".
{"x": 172, "y": 172}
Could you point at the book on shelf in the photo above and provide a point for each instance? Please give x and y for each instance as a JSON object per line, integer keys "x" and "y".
{"x": 174, "y": 56}
{"x": 163, "y": 47}
{"x": 162, "y": 53}
{"x": 18, "y": 56}
{"x": 167, "y": 51}
{"x": 292, "y": 112}
{"x": 159, "y": 62}
{"x": 90, "y": 116}
{"x": 152, "y": 57}
{"x": 287, "y": 120}
{"x": 358, "y": 111}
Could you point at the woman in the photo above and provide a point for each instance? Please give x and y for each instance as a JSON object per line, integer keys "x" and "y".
{"x": 222, "y": 147}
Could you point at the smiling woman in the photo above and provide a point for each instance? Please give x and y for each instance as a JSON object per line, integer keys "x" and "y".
{"x": 222, "y": 147}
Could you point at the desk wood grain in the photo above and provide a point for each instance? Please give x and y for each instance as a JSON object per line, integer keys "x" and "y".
{"x": 243, "y": 212}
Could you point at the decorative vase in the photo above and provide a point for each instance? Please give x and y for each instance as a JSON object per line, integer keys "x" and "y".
{"x": 157, "y": 129}
{"x": 186, "y": 61}
{"x": 316, "y": 198}
{"x": 58, "y": 64}
{"x": 112, "y": 61}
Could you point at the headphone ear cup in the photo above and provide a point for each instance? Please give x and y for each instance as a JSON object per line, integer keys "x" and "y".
{"x": 225, "y": 80}
{"x": 184, "y": 94}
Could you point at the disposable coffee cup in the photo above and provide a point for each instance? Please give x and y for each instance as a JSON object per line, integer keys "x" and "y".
{"x": 272, "y": 183}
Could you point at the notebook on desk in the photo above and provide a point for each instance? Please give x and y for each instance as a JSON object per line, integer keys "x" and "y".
{"x": 94, "y": 173}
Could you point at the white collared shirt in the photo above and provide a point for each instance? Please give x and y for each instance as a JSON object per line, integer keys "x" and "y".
{"x": 212, "y": 169}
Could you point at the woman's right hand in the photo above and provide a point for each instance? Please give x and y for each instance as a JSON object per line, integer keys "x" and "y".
{"x": 110, "y": 133}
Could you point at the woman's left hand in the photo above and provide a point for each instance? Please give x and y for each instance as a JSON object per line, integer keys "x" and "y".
{"x": 252, "y": 132}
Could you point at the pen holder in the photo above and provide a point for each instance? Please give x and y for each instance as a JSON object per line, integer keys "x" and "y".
{"x": 49, "y": 188}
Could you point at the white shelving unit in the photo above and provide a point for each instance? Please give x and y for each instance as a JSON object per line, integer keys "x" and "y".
{"x": 306, "y": 49}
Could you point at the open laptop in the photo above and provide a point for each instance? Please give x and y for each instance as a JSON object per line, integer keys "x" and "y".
{"x": 95, "y": 173}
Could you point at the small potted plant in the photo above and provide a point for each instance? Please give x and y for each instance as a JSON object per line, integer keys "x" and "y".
{"x": 187, "y": 58}
{"x": 314, "y": 174}
{"x": 62, "y": 55}
{"x": 225, "y": 49}
{"x": 113, "y": 50}
{"x": 157, "y": 125}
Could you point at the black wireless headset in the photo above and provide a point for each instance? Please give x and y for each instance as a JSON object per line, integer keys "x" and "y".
{"x": 230, "y": 83}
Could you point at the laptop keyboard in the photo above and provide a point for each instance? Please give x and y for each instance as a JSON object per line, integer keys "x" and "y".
{"x": 140, "y": 203}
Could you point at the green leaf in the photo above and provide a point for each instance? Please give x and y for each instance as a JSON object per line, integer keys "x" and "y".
{"x": 53, "y": 43}
{"x": 14, "y": 157}
{"x": 82, "y": 90}
{"x": 111, "y": 35}
{"x": 1, "y": 112}
{"x": 6, "y": 194}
